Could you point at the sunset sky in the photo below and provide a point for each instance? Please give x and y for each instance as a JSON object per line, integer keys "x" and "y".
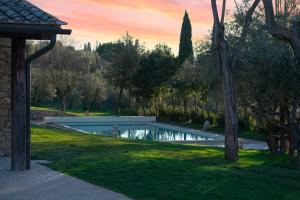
{"x": 152, "y": 21}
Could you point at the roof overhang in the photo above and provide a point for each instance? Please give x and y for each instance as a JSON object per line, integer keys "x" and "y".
{"x": 31, "y": 31}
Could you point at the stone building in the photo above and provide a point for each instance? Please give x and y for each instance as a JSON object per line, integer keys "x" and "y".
{"x": 5, "y": 111}
{"x": 20, "y": 21}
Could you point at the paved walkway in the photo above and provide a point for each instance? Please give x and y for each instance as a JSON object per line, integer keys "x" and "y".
{"x": 244, "y": 143}
{"x": 42, "y": 183}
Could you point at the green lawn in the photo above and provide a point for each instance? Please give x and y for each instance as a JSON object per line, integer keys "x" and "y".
{"x": 74, "y": 112}
{"x": 161, "y": 171}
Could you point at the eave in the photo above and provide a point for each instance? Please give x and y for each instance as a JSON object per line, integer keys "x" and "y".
{"x": 32, "y": 31}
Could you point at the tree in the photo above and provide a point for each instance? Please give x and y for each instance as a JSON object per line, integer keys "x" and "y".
{"x": 62, "y": 68}
{"x": 186, "y": 45}
{"x": 209, "y": 81}
{"x": 267, "y": 82}
{"x": 41, "y": 89}
{"x": 91, "y": 88}
{"x": 185, "y": 82}
{"x": 156, "y": 68}
{"x": 289, "y": 33}
{"x": 123, "y": 62}
{"x": 87, "y": 47}
{"x": 227, "y": 62}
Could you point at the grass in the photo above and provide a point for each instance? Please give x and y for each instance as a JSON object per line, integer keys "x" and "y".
{"x": 75, "y": 112}
{"x": 162, "y": 171}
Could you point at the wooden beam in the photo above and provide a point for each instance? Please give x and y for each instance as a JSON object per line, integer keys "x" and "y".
{"x": 28, "y": 115}
{"x": 18, "y": 102}
{"x": 27, "y": 36}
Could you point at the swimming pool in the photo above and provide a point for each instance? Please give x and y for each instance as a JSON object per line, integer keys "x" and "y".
{"x": 149, "y": 132}
{"x": 132, "y": 127}
{"x": 145, "y": 128}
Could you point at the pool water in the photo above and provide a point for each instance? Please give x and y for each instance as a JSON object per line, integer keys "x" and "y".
{"x": 138, "y": 131}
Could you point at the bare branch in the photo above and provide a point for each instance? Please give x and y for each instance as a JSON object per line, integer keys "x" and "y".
{"x": 264, "y": 112}
{"x": 273, "y": 28}
{"x": 246, "y": 27}
{"x": 237, "y": 7}
{"x": 216, "y": 28}
{"x": 290, "y": 35}
{"x": 223, "y": 13}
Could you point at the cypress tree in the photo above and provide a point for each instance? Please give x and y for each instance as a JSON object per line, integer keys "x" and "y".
{"x": 186, "y": 44}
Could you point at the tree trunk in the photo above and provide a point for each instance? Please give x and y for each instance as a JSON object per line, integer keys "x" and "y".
{"x": 63, "y": 103}
{"x": 292, "y": 147}
{"x": 119, "y": 100}
{"x": 298, "y": 156}
{"x": 295, "y": 134}
{"x": 227, "y": 62}
{"x": 271, "y": 141}
{"x": 185, "y": 107}
{"x": 282, "y": 118}
{"x": 195, "y": 103}
{"x": 296, "y": 48}
{"x": 231, "y": 117}
{"x": 206, "y": 105}
{"x": 156, "y": 107}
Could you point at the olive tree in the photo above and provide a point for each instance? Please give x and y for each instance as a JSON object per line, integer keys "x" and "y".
{"x": 227, "y": 61}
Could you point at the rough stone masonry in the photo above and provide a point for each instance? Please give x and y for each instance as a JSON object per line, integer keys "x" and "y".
{"x": 5, "y": 107}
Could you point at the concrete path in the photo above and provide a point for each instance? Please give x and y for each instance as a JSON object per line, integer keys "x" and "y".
{"x": 247, "y": 144}
{"x": 42, "y": 183}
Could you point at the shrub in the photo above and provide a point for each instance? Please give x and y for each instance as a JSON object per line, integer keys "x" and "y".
{"x": 221, "y": 120}
{"x": 244, "y": 123}
{"x": 198, "y": 118}
{"x": 175, "y": 116}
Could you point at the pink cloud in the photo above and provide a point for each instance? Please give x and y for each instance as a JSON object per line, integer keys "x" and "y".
{"x": 151, "y": 21}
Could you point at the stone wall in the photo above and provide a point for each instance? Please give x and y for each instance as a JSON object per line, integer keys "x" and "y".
{"x": 5, "y": 111}
{"x": 41, "y": 114}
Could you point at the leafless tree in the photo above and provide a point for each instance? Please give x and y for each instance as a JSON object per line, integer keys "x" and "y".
{"x": 227, "y": 60}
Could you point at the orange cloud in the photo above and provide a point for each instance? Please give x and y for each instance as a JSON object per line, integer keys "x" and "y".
{"x": 151, "y": 21}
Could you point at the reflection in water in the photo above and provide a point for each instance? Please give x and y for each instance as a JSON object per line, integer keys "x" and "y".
{"x": 140, "y": 132}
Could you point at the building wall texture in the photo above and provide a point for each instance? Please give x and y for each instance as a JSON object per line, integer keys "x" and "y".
{"x": 5, "y": 107}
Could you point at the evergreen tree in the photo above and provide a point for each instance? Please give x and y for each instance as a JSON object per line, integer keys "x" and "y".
{"x": 186, "y": 45}
{"x": 87, "y": 47}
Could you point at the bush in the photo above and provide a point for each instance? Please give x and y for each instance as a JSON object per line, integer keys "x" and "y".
{"x": 221, "y": 120}
{"x": 252, "y": 124}
{"x": 244, "y": 123}
{"x": 172, "y": 115}
{"x": 198, "y": 118}
{"x": 162, "y": 114}
{"x": 175, "y": 116}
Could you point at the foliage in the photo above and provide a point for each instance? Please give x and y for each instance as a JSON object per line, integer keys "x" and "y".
{"x": 268, "y": 81}
{"x": 123, "y": 62}
{"x": 156, "y": 68}
{"x": 61, "y": 72}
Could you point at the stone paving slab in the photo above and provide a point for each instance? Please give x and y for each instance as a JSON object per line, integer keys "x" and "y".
{"x": 42, "y": 183}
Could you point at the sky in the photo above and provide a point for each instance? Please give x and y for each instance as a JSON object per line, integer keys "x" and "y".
{"x": 152, "y": 21}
